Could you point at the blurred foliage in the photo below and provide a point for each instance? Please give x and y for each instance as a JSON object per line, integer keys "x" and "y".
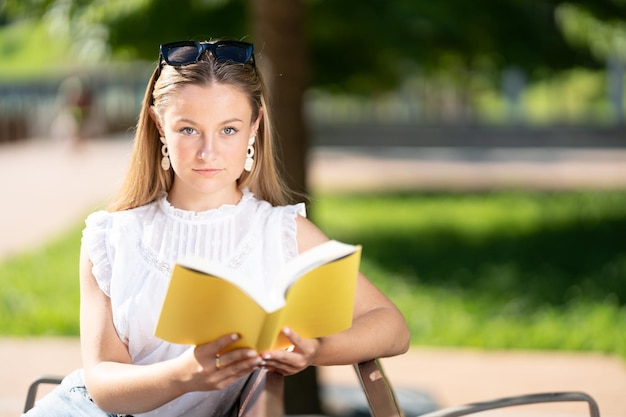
{"x": 131, "y": 29}
{"x": 380, "y": 43}
{"x": 24, "y": 46}
{"x": 576, "y": 96}
{"x": 604, "y": 36}
{"x": 158, "y": 22}
{"x": 363, "y": 47}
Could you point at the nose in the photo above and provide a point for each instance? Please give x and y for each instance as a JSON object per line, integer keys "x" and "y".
{"x": 206, "y": 148}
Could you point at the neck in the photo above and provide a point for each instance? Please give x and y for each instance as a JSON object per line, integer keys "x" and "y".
{"x": 198, "y": 202}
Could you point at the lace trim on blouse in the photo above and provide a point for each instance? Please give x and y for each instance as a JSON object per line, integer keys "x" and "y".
{"x": 200, "y": 216}
{"x": 151, "y": 259}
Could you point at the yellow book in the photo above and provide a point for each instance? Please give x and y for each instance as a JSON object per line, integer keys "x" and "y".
{"x": 313, "y": 295}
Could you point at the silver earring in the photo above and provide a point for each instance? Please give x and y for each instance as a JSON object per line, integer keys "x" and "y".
{"x": 250, "y": 154}
{"x": 165, "y": 161}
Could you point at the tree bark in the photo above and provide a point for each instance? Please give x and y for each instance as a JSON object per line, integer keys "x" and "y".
{"x": 282, "y": 57}
{"x": 281, "y": 51}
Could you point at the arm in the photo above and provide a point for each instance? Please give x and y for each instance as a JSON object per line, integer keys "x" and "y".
{"x": 118, "y": 386}
{"x": 378, "y": 328}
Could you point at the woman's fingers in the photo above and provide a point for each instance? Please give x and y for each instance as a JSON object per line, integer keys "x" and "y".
{"x": 221, "y": 366}
{"x": 293, "y": 359}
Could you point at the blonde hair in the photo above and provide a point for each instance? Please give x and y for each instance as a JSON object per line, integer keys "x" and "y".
{"x": 145, "y": 180}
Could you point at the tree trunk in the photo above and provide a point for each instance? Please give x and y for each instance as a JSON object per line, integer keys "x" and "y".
{"x": 282, "y": 57}
{"x": 281, "y": 51}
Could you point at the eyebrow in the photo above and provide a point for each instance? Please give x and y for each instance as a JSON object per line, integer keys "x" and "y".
{"x": 233, "y": 120}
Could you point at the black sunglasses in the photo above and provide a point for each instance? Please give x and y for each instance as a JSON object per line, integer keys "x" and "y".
{"x": 182, "y": 53}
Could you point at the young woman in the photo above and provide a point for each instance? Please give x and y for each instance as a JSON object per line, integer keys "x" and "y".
{"x": 202, "y": 182}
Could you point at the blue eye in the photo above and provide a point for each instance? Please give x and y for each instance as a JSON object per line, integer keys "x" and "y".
{"x": 229, "y": 131}
{"x": 188, "y": 130}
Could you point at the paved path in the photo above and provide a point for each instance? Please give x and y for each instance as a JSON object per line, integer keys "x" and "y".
{"x": 412, "y": 168}
{"x": 450, "y": 376}
{"x": 48, "y": 187}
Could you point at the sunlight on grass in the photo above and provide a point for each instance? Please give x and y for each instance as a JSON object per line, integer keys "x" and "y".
{"x": 40, "y": 295}
{"x": 500, "y": 270}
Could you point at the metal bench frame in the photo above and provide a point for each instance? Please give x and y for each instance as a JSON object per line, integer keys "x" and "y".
{"x": 263, "y": 396}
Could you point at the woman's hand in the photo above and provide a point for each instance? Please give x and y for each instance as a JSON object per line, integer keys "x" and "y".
{"x": 207, "y": 369}
{"x": 299, "y": 356}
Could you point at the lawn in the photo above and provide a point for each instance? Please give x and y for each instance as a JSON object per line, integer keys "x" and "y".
{"x": 495, "y": 270}
{"x": 527, "y": 270}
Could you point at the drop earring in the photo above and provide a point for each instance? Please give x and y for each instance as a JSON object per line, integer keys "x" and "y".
{"x": 250, "y": 154}
{"x": 165, "y": 161}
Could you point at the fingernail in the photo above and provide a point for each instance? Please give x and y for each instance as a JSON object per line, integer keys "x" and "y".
{"x": 251, "y": 354}
{"x": 234, "y": 336}
{"x": 267, "y": 356}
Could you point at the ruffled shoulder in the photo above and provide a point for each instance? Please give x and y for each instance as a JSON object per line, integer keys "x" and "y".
{"x": 95, "y": 241}
{"x": 289, "y": 229}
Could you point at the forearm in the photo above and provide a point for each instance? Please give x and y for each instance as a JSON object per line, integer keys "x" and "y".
{"x": 131, "y": 389}
{"x": 120, "y": 387}
{"x": 381, "y": 332}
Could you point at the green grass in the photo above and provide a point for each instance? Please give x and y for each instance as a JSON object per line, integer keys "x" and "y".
{"x": 39, "y": 292}
{"x": 495, "y": 270}
{"x": 512, "y": 270}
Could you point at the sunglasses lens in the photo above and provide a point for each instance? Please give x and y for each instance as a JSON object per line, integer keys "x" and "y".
{"x": 240, "y": 54}
{"x": 181, "y": 54}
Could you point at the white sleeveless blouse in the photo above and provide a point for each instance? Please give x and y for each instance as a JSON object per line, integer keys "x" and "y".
{"x": 134, "y": 251}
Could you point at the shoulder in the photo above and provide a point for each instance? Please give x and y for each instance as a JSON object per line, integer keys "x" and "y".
{"x": 289, "y": 220}
{"x": 308, "y": 234}
{"x": 264, "y": 208}
{"x": 135, "y": 212}
{"x": 103, "y": 221}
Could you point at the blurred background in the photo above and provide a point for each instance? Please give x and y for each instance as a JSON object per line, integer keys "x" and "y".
{"x": 544, "y": 72}
{"x": 476, "y": 149}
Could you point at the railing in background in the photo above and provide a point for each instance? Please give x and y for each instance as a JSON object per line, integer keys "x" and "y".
{"x": 423, "y": 113}
{"x": 46, "y": 108}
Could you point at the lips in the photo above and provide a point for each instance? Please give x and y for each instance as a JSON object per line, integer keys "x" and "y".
{"x": 208, "y": 171}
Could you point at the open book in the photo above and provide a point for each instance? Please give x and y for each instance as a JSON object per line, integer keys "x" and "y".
{"x": 314, "y": 296}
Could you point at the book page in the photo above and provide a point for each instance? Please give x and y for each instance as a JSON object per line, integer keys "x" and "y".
{"x": 312, "y": 258}
{"x": 271, "y": 296}
{"x": 200, "y": 308}
{"x": 322, "y": 301}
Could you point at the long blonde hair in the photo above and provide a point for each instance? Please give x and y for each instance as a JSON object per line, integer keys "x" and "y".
{"x": 145, "y": 180}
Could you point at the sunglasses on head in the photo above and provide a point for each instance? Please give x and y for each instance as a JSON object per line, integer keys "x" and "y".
{"x": 182, "y": 53}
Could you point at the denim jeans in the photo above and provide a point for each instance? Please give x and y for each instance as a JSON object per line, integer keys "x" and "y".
{"x": 70, "y": 399}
